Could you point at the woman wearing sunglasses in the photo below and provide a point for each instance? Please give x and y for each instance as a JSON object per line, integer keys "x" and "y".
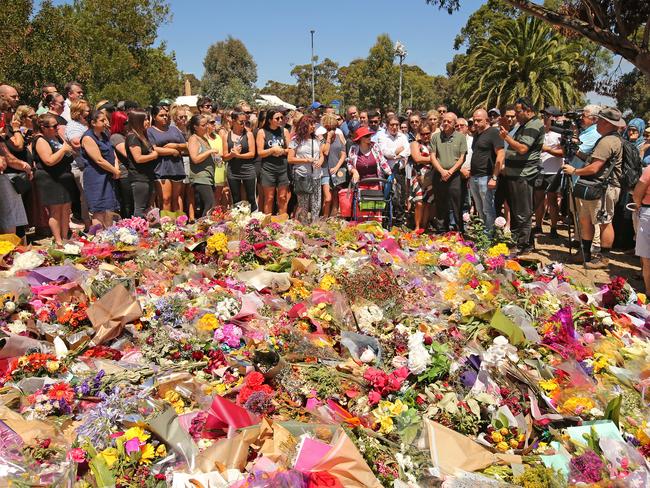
{"x": 53, "y": 177}
{"x": 239, "y": 152}
{"x": 272, "y": 143}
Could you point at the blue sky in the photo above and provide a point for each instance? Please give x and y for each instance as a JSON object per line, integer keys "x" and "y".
{"x": 276, "y": 33}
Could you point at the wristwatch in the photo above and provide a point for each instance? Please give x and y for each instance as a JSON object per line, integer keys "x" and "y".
{"x": 494, "y": 178}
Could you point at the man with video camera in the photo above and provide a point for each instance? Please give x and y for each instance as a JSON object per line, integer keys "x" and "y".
{"x": 598, "y": 188}
{"x": 521, "y": 171}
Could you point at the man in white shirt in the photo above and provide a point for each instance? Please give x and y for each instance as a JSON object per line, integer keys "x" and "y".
{"x": 396, "y": 149}
{"x": 74, "y": 91}
{"x": 462, "y": 126}
{"x": 551, "y": 159}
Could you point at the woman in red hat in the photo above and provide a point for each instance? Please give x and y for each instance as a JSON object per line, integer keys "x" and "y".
{"x": 365, "y": 160}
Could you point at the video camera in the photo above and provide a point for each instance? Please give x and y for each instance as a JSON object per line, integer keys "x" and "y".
{"x": 569, "y": 130}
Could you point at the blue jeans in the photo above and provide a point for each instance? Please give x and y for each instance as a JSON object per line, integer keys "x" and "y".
{"x": 483, "y": 200}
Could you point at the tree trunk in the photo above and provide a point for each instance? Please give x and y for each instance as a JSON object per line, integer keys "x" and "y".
{"x": 636, "y": 54}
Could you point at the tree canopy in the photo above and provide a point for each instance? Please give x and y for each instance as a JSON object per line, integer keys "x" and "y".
{"x": 61, "y": 43}
{"x": 622, "y": 26}
{"x": 230, "y": 72}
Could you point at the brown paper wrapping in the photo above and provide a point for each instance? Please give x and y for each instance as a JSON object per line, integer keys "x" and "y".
{"x": 30, "y": 430}
{"x": 273, "y": 437}
{"x": 111, "y": 313}
{"x": 451, "y": 451}
{"x": 227, "y": 453}
{"x": 302, "y": 265}
{"x": 184, "y": 381}
{"x": 346, "y": 463}
{"x": 16, "y": 345}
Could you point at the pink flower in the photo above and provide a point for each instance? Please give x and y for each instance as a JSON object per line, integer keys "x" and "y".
{"x": 500, "y": 222}
{"x": 374, "y": 397}
{"x": 132, "y": 445}
{"x": 466, "y": 217}
{"x": 76, "y": 455}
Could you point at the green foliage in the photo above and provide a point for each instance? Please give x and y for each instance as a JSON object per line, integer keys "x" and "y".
{"x": 613, "y": 410}
{"x": 230, "y": 72}
{"x": 522, "y": 57}
{"x": 632, "y": 92}
{"x": 106, "y": 45}
{"x": 540, "y": 477}
{"x": 439, "y": 366}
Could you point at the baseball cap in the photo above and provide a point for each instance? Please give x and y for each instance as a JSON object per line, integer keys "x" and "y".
{"x": 494, "y": 112}
{"x": 315, "y": 105}
{"x": 552, "y": 110}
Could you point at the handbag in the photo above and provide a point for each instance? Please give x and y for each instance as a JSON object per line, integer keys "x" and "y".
{"x": 345, "y": 202}
{"x": 303, "y": 184}
{"x": 339, "y": 178}
{"x": 21, "y": 183}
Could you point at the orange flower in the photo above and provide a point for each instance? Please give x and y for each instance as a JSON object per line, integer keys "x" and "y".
{"x": 61, "y": 391}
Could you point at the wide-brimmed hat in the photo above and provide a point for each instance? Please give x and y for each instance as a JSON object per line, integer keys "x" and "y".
{"x": 362, "y": 131}
{"x": 613, "y": 116}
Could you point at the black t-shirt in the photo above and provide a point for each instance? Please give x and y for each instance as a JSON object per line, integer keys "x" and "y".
{"x": 23, "y": 154}
{"x": 142, "y": 172}
{"x": 484, "y": 151}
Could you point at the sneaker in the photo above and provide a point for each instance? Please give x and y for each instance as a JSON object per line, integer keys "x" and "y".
{"x": 553, "y": 234}
{"x": 597, "y": 262}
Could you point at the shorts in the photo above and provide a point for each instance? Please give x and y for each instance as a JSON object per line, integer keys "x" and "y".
{"x": 591, "y": 208}
{"x": 274, "y": 176}
{"x": 643, "y": 234}
{"x": 180, "y": 179}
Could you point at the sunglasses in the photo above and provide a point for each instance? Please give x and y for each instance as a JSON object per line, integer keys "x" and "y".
{"x": 206, "y": 106}
{"x": 442, "y": 111}
{"x": 182, "y": 117}
{"x": 212, "y": 122}
{"x": 425, "y": 133}
{"x": 51, "y": 126}
{"x": 278, "y": 118}
{"x": 510, "y": 116}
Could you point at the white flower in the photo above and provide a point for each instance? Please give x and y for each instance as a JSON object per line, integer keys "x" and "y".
{"x": 17, "y": 327}
{"x": 368, "y": 356}
{"x": 466, "y": 217}
{"x": 10, "y": 307}
{"x": 500, "y": 222}
{"x": 499, "y": 351}
{"x": 72, "y": 249}
{"x": 419, "y": 357}
{"x": 27, "y": 260}
{"x": 399, "y": 362}
{"x": 287, "y": 242}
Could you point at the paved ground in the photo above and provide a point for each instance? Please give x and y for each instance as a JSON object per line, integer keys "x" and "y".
{"x": 622, "y": 264}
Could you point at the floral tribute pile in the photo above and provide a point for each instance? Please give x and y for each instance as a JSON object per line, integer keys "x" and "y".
{"x": 248, "y": 352}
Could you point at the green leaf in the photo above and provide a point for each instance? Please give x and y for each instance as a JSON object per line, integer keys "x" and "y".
{"x": 104, "y": 478}
{"x": 613, "y": 410}
{"x": 503, "y": 324}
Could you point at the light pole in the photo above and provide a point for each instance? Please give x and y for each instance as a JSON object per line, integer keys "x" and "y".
{"x": 400, "y": 51}
{"x": 313, "y": 88}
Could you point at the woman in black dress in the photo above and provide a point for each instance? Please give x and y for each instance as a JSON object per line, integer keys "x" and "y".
{"x": 54, "y": 180}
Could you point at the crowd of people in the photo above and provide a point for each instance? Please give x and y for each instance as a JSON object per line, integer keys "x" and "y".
{"x": 73, "y": 165}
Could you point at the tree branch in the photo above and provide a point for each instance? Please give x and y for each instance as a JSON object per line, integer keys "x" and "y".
{"x": 592, "y": 6}
{"x": 646, "y": 35}
{"x": 614, "y": 42}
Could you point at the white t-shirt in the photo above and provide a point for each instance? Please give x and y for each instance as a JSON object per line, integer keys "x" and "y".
{"x": 550, "y": 163}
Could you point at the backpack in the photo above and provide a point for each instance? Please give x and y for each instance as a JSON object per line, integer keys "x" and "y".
{"x": 632, "y": 165}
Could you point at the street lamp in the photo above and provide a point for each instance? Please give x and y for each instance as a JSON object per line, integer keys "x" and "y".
{"x": 313, "y": 89}
{"x": 400, "y": 51}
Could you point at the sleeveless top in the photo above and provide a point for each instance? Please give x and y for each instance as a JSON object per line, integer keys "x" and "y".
{"x": 105, "y": 148}
{"x": 240, "y": 168}
{"x": 203, "y": 173}
{"x": 57, "y": 170}
{"x": 335, "y": 152}
{"x": 272, "y": 139}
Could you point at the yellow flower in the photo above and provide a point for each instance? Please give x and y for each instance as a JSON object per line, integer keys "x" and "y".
{"x": 549, "y": 385}
{"x": 398, "y": 408}
{"x": 514, "y": 443}
{"x": 208, "y": 322}
{"x": 217, "y": 244}
{"x": 109, "y": 455}
{"x": 513, "y": 265}
{"x": 466, "y": 270}
{"x": 327, "y": 282}
{"x": 496, "y": 437}
{"x": 161, "y": 450}
{"x": 449, "y": 293}
{"x": 136, "y": 432}
{"x": 52, "y": 366}
{"x": 577, "y": 405}
{"x": 504, "y": 431}
{"x": 465, "y": 250}
{"x": 642, "y": 298}
{"x": 467, "y": 308}
{"x": 424, "y": 258}
{"x": 498, "y": 250}
{"x": 147, "y": 453}
{"x": 6, "y": 247}
{"x": 600, "y": 362}
{"x": 502, "y": 446}
{"x": 387, "y": 425}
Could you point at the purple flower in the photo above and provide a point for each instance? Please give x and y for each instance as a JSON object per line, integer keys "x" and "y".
{"x": 259, "y": 403}
{"x": 586, "y": 468}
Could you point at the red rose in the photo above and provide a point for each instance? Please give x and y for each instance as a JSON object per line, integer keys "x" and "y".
{"x": 374, "y": 397}
{"x": 254, "y": 379}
